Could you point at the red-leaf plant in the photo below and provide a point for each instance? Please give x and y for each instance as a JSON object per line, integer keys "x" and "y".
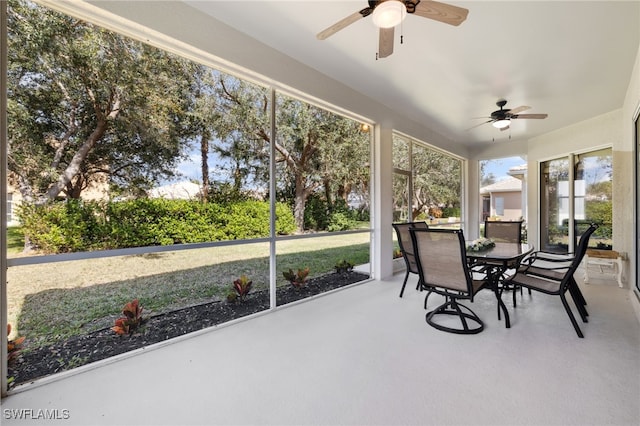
{"x": 298, "y": 279}
{"x": 13, "y": 345}
{"x": 242, "y": 286}
{"x": 131, "y": 320}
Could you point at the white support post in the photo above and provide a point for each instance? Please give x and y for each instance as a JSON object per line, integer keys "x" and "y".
{"x": 3, "y": 198}
{"x": 383, "y": 212}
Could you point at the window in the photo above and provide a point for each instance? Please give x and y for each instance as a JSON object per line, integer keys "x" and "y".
{"x": 575, "y": 191}
{"x": 402, "y": 180}
{"x": 322, "y": 174}
{"x": 9, "y": 208}
{"x": 427, "y": 184}
{"x": 503, "y": 184}
{"x": 186, "y": 199}
{"x": 499, "y": 206}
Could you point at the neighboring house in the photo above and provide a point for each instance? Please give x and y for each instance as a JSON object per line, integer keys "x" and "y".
{"x": 177, "y": 191}
{"x": 502, "y": 199}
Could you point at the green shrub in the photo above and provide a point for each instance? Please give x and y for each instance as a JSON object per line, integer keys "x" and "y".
{"x": 225, "y": 193}
{"x": 339, "y": 217}
{"x": 62, "y": 227}
{"x": 285, "y": 222}
{"x": 71, "y": 226}
{"x": 451, "y": 212}
{"x": 341, "y": 221}
{"x": 600, "y": 212}
{"x": 344, "y": 266}
{"x": 316, "y": 213}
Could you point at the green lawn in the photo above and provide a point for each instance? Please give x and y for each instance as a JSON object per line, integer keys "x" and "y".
{"x": 15, "y": 240}
{"x": 57, "y": 300}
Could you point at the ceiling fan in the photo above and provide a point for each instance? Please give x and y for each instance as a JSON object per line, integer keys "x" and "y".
{"x": 386, "y": 14}
{"x": 501, "y": 119}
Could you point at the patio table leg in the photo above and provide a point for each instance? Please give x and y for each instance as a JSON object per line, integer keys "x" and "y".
{"x": 494, "y": 277}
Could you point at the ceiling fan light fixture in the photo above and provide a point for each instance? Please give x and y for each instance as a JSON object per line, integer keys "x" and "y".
{"x": 501, "y": 124}
{"x": 388, "y": 14}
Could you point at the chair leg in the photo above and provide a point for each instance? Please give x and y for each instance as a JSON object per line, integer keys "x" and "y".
{"x": 579, "y": 305}
{"x": 578, "y": 292}
{"x": 571, "y": 317}
{"x": 404, "y": 283}
{"x": 426, "y": 298}
{"x": 514, "y": 293}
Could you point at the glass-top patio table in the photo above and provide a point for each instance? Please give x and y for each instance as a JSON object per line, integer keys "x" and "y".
{"x": 497, "y": 260}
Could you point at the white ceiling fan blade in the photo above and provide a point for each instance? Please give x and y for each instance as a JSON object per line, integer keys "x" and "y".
{"x": 442, "y": 12}
{"x": 536, "y": 116}
{"x": 386, "y": 42}
{"x": 519, "y": 109}
{"x": 478, "y": 125}
{"x": 343, "y": 23}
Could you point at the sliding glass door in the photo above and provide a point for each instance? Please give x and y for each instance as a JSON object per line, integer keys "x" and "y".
{"x": 576, "y": 191}
{"x": 554, "y": 205}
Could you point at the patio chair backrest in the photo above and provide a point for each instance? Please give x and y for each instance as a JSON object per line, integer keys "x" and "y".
{"x": 503, "y": 231}
{"x": 441, "y": 259}
{"x": 581, "y": 250}
{"x": 404, "y": 241}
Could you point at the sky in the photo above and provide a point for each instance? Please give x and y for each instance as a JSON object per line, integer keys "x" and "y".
{"x": 500, "y": 166}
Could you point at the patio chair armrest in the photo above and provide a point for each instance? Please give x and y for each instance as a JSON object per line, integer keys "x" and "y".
{"x": 540, "y": 268}
{"x": 552, "y": 257}
{"x": 479, "y": 268}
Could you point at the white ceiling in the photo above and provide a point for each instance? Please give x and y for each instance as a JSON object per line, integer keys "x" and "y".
{"x": 569, "y": 59}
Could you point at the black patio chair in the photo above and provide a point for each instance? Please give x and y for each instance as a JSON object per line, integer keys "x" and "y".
{"x": 546, "y": 263}
{"x": 535, "y": 273}
{"x": 406, "y": 248}
{"x": 442, "y": 266}
{"x": 503, "y": 231}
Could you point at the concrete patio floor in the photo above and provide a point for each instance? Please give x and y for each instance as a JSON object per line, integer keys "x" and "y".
{"x": 364, "y": 356}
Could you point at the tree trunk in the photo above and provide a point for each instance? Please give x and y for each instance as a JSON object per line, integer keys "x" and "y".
{"x": 327, "y": 193}
{"x": 237, "y": 177}
{"x": 74, "y": 166}
{"x": 80, "y": 156}
{"x": 299, "y": 202}
{"x": 344, "y": 189}
{"x": 204, "y": 158}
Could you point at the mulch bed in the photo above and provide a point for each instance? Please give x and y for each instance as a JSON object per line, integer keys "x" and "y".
{"x": 104, "y": 343}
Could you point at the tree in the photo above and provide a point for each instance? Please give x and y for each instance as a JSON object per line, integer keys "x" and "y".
{"x": 204, "y": 116}
{"x": 318, "y": 148}
{"x": 243, "y": 132}
{"x": 487, "y": 180}
{"x": 89, "y": 106}
{"x": 315, "y": 148}
{"x": 437, "y": 180}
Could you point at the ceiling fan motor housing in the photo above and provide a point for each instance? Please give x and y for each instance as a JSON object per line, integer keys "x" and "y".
{"x": 501, "y": 114}
{"x": 410, "y": 5}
